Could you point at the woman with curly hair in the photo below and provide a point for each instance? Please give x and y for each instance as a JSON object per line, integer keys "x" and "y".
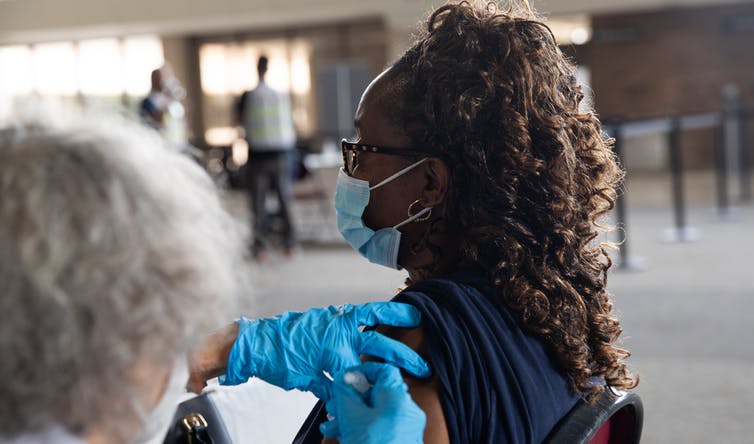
{"x": 476, "y": 171}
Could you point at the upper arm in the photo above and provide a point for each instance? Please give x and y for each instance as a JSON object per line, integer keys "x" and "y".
{"x": 424, "y": 392}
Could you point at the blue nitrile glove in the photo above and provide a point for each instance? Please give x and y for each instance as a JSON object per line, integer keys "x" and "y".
{"x": 383, "y": 413}
{"x": 294, "y": 349}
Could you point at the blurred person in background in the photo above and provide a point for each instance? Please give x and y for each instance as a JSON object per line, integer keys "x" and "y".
{"x": 267, "y": 120}
{"x": 116, "y": 258}
{"x": 475, "y": 170}
{"x": 162, "y": 109}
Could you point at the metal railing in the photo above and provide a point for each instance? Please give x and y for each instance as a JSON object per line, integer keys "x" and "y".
{"x": 725, "y": 142}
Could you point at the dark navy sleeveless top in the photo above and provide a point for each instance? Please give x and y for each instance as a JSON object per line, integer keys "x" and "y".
{"x": 497, "y": 383}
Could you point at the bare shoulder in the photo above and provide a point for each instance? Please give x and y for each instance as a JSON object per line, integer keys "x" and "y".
{"x": 425, "y": 392}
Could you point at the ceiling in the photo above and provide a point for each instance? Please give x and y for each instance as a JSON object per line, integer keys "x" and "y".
{"x": 39, "y": 20}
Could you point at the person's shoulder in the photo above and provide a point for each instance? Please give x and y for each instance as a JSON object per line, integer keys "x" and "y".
{"x": 424, "y": 391}
{"x": 263, "y": 92}
{"x": 460, "y": 308}
{"x": 246, "y": 95}
{"x": 413, "y": 337}
{"x": 448, "y": 305}
{"x": 260, "y": 88}
{"x": 447, "y": 290}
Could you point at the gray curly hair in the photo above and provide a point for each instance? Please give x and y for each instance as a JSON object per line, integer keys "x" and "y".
{"x": 112, "y": 250}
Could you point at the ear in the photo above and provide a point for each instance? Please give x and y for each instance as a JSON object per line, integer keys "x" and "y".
{"x": 436, "y": 181}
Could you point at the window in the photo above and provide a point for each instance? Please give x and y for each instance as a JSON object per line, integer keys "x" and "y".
{"x": 141, "y": 55}
{"x": 100, "y": 65}
{"x": 92, "y": 72}
{"x": 54, "y": 69}
{"x": 16, "y": 71}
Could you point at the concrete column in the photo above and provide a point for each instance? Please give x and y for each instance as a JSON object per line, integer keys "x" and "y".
{"x": 182, "y": 54}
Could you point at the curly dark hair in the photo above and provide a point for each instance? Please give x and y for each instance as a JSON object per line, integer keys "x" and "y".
{"x": 531, "y": 175}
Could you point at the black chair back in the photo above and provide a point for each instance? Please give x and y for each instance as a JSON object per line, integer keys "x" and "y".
{"x": 623, "y": 410}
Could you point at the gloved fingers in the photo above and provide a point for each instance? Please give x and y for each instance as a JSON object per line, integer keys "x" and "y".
{"x": 379, "y": 375}
{"x": 388, "y": 415}
{"x": 387, "y": 313}
{"x": 321, "y": 387}
{"x": 325, "y": 388}
{"x": 394, "y": 352}
{"x": 337, "y": 359}
{"x": 346, "y": 395}
{"x": 388, "y": 386}
{"x": 330, "y": 429}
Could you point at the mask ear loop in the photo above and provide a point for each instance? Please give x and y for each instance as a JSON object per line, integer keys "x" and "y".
{"x": 416, "y": 217}
{"x": 399, "y": 173}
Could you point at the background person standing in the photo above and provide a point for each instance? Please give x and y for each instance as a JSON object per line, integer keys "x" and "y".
{"x": 267, "y": 120}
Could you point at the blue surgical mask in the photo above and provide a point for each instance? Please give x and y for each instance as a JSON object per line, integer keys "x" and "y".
{"x": 351, "y": 198}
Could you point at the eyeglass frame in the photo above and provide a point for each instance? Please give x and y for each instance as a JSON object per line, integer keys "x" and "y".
{"x": 357, "y": 148}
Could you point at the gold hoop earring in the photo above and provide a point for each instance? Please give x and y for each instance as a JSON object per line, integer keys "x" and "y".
{"x": 421, "y": 219}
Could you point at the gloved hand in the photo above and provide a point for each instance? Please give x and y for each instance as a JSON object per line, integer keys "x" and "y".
{"x": 294, "y": 349}
{"x": 384, "y": 413}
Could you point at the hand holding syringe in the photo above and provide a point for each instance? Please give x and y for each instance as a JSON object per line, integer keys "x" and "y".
{"x": 357, "y": 380}
{"x": 370, "y": 404}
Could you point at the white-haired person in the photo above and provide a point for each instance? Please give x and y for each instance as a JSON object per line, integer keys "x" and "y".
{"x": 116, "y": 256}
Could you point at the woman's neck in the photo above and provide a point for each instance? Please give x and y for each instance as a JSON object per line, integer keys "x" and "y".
{"x": 442, "y": 256}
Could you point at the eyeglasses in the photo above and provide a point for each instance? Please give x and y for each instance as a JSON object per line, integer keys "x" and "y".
{"x": 351, "y": 152}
